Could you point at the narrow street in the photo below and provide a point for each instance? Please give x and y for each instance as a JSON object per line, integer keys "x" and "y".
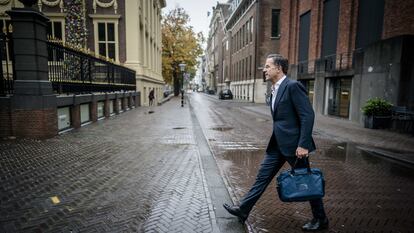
{"x": 363, "y": 193}
{"x": 142, "y": 172}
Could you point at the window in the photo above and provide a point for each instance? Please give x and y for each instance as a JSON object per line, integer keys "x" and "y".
{"x": 250, "y": 66}
{"x": 244, "y": 34}
{"x": 6, "y": 28}
{"x": 251, "y": 29}
{"x": 248, "y": 31}
{"x": 106, "y": 35}
{"x": 242, "y": 69}
{"x": 55, "y": 29}
{"x": 246, "y": 66}
{"x": 275, "y": 23}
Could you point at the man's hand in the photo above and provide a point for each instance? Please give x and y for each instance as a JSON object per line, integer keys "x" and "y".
{"x": 301, "y": 152}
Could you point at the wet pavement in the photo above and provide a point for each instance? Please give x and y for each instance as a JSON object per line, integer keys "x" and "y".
{"x": 141, "y": 172}
{"x": 135, "y": 172}
{"x": 364, "y": 192}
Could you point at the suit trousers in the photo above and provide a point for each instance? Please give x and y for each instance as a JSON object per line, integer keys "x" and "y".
{"x": 271, "y": 164}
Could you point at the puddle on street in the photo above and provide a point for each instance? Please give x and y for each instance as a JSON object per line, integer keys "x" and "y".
{"x": 359, "y": 185}
{"x": 352, "y": 154}
{"x": 347, "y": 154}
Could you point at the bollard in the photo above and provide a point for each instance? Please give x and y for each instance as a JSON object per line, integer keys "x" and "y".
{"x": 182, "y": 98}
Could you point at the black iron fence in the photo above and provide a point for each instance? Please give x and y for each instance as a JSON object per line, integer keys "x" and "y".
{"x": 337, "y": 62}
{"x": 334, "y": 62}
{"x": 74, "y": 71}
{"x": 6, "y": 67}
{"x": 70, "y": 70}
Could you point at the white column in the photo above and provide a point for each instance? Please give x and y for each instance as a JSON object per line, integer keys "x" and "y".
{"x": 131, "y": 21}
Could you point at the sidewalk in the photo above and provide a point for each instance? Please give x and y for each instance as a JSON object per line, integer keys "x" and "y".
{"x": 136, "y": 172}
{"x": 381, "y": 142}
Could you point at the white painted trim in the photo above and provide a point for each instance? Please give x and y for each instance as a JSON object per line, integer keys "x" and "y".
{"x": 96, "y": 39}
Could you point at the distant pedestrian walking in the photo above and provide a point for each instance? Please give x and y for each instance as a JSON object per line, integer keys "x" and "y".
{"x": 291, "y": 139}
{"x": 151, "y": 97}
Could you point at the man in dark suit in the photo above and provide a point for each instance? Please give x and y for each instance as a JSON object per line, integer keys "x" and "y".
{"x": 291, "y": 140}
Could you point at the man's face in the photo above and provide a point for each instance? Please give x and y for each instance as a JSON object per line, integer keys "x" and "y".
{"x": 271, "y": 71}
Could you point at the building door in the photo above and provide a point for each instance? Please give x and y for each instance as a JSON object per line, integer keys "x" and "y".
{"x": 338, "y": 98}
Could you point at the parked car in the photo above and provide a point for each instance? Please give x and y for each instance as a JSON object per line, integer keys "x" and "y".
{"x": 166, "y": 93}
{"x": 211, "y": 92}
{"x": 225, "y": 94}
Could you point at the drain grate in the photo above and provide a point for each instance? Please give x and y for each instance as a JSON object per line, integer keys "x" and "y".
{"x": 222, "y": 128}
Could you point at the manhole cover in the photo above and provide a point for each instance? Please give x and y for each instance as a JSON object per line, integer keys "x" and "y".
{"x": 222, "y": 128}
{"x": 179, "y": 128}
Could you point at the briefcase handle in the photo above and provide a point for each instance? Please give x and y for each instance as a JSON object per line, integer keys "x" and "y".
{"x": 292, "y": 171}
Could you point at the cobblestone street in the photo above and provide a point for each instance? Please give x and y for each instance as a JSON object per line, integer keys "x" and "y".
{"x": 134, "y": 172}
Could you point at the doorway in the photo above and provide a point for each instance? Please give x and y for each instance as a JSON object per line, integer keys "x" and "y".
{"x": 338, "y": 96}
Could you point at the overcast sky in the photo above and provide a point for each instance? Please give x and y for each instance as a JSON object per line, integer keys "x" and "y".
{"x": 197, "y": 10}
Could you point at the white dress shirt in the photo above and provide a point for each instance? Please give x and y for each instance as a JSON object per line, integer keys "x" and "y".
{"x": 275, "y": 88}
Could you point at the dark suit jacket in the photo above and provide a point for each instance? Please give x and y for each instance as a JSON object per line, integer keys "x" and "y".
{"x": 292, "y": 120}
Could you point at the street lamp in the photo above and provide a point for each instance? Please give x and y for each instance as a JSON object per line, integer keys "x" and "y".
{"x": 182, "y": 68}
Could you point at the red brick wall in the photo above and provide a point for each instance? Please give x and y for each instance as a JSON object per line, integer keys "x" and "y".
{"x": 125, "y": 103}
{"x": 304, "y": 6}
{"x": 398, "y": 18}
{"x": 75, "y": 116}
{"x": 285, "y": 25}
{"x": 5, "y": 120}
{"x": 289, "y": 16}
{"x": 346, "y": 30}
{"x": 315, "y": 36}
{"x": 94, "y": 111}
{"x": 106, "y": 108}
{"x": 246, "y": 50}
{"x": 35, "y": 123}
{"x": 267, "y": 44}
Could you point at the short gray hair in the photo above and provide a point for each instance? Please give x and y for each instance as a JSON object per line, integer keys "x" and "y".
{"x": 279, "y": 60}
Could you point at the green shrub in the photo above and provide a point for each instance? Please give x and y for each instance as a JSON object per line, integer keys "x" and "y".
{"x": 377, "y": 107}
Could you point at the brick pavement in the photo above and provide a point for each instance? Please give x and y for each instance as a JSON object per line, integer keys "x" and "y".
{"x": 136, "y": 172}
{"x": 364, "y": 193}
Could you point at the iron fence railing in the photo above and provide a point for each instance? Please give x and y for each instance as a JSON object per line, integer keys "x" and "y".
{"x": 74, "y": 71}
{"x": 330, "y": 63}
{"x": 70, "y": 70}
{"x": 6, "y": 67}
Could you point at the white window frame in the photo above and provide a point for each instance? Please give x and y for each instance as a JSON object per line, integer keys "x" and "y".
{"x": 58, "y": 17}
{"x": 96, "y": 35}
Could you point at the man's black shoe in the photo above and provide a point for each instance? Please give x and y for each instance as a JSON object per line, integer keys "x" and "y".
{"x": 235, "y": 210}
{"x": 316, "y": 225}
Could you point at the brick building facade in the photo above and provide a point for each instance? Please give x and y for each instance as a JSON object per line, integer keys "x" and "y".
{"x": 251, "y": 33}
{"x": 347, "y": 51}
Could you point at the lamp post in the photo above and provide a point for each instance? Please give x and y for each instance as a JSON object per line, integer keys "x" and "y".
{"x": 182, "y": 68}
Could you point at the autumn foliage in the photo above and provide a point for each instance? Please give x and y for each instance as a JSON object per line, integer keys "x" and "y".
{"x": 180, "y": 44}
